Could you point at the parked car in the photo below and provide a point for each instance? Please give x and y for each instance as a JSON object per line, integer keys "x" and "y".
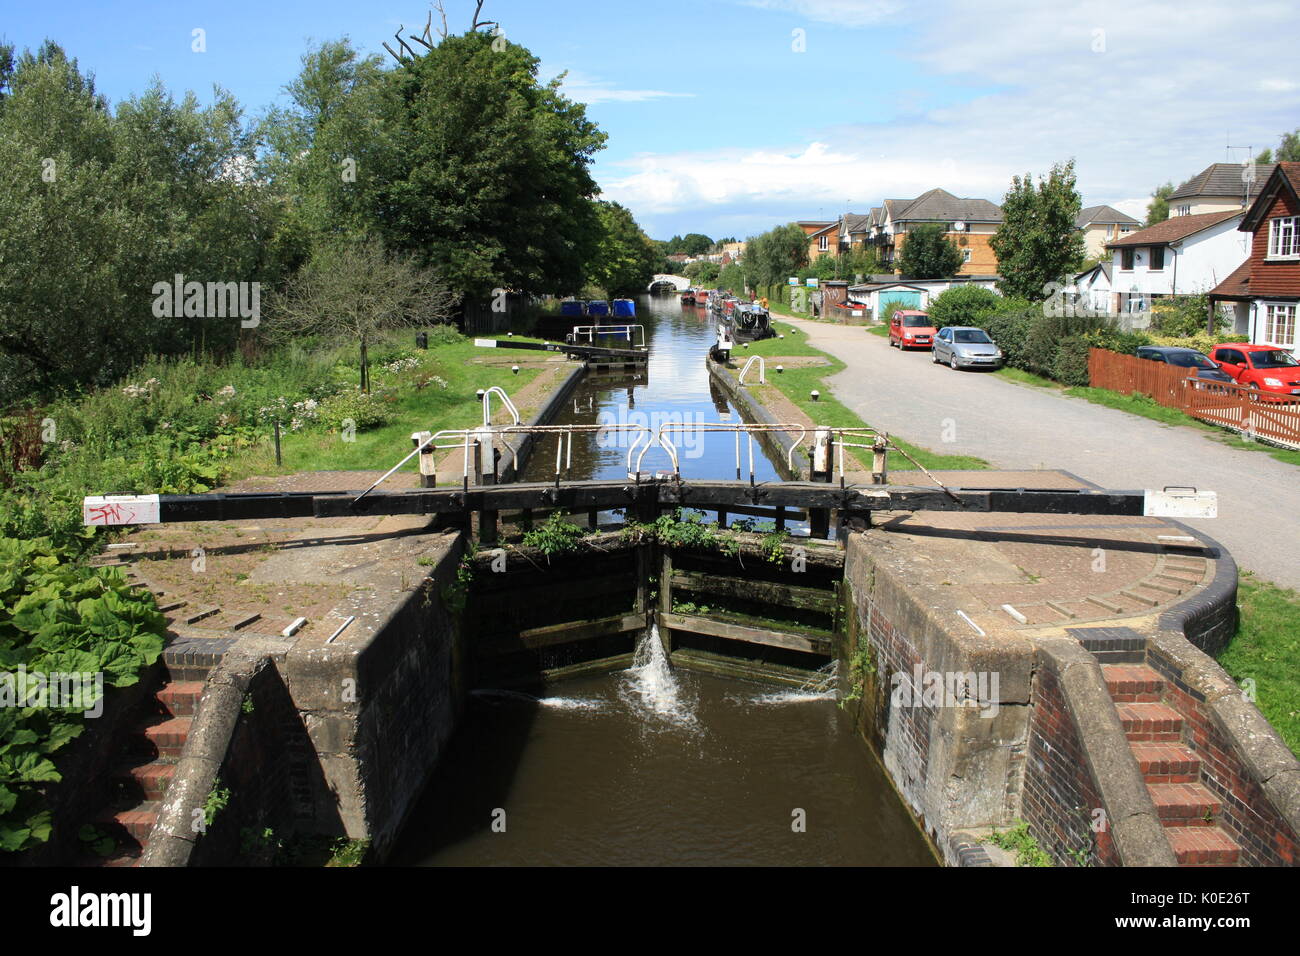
{"x": 962, "y": 346}
{"x": 1197, "y": 363}
{"x": 910, "y": 328}
{"x": 1266, "y": 367}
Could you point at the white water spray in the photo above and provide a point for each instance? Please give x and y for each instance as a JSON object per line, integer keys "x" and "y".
{"x": 820, "y": 685}
{"x": 556, "y": 703}
{"x": 651, "y": 687}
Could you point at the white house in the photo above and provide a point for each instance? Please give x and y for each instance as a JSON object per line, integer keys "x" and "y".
{"x": 1091, "y": 288}
{"x": 1183, "y": 255}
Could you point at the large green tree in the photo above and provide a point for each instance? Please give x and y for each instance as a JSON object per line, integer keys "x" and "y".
{"x": 487, "y": 172}
{"x": 1037, "y": 242}
{"x": 324, "y": 150}
{"x": 625, "y": 257}
{"x": 776, "y": 254}
{"x": 1158, "y": 207}
{"x": 928, "y": 253}
{"x": 98, "y": 208}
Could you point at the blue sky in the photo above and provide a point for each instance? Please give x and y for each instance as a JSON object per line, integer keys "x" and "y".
{"x": 723, "y": 118}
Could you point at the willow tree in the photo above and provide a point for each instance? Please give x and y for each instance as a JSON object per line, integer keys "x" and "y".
{"x": 355, "y": 289}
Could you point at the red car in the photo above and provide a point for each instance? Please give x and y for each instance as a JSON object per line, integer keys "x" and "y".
{"x": 1266, "y": 367}
{"x": 910, "y": 328}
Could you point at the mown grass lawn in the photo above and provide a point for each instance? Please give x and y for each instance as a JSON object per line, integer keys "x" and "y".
{"x": 431, "y": 407}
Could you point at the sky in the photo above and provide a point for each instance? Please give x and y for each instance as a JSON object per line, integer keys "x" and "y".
{"x": 728, "y": 117}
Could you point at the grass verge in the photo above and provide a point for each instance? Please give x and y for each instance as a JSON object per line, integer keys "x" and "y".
{"x": 797, "y": 384}
{"x": 1147, "y": 407}
{"x": 1265, "y": 650}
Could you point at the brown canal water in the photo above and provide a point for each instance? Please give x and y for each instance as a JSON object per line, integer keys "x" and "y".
{"x": 655, "y": 765}
{"x": 621, "y": 770}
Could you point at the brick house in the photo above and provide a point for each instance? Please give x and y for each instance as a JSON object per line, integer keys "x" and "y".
{"x": 970, "y": 223}
{"x": 1263, "y": 293}
{"x": 822, "y": 237}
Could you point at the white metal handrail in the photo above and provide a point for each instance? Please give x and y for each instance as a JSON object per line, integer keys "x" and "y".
{"x": 487, "y": 405}
{"x": 762, "y": 369}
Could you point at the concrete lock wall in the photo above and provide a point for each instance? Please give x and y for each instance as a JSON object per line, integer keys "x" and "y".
{"x": 379, "y": 707}
{"x": 956, "y": 767}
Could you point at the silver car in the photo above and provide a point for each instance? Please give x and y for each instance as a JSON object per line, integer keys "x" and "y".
{"x": 964, "y": 347}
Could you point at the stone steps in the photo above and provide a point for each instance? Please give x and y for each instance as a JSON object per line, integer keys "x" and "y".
{"x": 1172, "y": 770}
{"x": 140, "y": 781}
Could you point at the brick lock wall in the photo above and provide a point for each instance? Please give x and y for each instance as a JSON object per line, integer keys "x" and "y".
{"x": 903, "y": 731}
{"x": 1058, "y": 791}
{"x": 1248, "y": 815}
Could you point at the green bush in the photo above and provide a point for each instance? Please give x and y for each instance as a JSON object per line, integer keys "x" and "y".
{"x": 963, "y": 305}
{"x": 1070, "y": 363}
{"x": 361, "y": 409}
{"x": 1202, "y": 341}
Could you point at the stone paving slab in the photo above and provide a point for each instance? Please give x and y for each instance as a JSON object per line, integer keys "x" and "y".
{"x": 1053, "y": 570}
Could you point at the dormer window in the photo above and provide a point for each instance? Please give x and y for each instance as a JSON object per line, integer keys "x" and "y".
{"x": 1284, "y": 237}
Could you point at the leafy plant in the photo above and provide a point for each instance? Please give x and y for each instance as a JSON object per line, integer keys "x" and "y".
{"x": 96, "y": 841}
{"x": 555, "y": 536}
{"x": 1021, "y": 842}
{"x": 58, "y": 617}
{"x": 218, "y": 799}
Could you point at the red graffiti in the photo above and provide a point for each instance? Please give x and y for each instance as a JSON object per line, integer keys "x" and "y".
{"x": 111, "y": 513}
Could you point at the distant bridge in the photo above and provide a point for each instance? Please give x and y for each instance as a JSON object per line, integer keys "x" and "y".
{"x": 679, "y": 283}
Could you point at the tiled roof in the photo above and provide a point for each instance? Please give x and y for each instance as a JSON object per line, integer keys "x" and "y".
{"x": 1173, "y": 229}
{"x": 1236, "y": 286}
{"x": 939, "y": 205}
{"x": 1103, "y": 266}
{"x": 855, "y": 223}
{"x": 1223, "y": 179}
{"x": 1106, "y": 215}
{"x": 1287, "y": 175}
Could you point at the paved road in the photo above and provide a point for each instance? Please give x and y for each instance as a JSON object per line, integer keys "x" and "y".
{"x": 1018, "y": 427}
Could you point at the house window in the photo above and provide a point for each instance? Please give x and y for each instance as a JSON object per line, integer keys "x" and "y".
{"x": 1284, "y": 237}
{"x": 1183, "y": 210}
{"x": 1279, "y": 325}
{"x": 1157, "y": 257}
{"x": 965, "y": 255}
{"x": 822, "y": 244}
{"x": 1126, "y": 260}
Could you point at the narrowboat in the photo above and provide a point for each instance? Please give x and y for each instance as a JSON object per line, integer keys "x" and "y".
{"x": 749, "y": 322}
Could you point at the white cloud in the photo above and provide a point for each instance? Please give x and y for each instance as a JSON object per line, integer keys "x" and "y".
{"x": 588, "y": 89}
{"x": 1138, "y": 94}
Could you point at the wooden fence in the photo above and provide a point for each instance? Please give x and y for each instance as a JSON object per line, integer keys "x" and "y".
{"x": 1257, "y": 414}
